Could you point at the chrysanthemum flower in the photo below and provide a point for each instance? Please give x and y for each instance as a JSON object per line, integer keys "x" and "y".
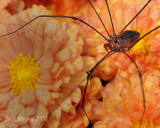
{"x": 70, "y": 6}
{"x": 122, "y": 12}
{"x": 122, "y": 104}
{"x": 40, "y": 67}
{"x": 61, "y": 7}
{"x": 127, "y": 107}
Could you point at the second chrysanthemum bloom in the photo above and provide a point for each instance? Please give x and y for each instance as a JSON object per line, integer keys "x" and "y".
{"x": 40, "y": 68}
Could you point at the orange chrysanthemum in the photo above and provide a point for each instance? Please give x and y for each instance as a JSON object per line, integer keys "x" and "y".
{"x": 122, "y": 12}
{"x": 40, "y": 67}
{"x": 127, "y": 109}
{"x": 70, "y": 6}
{"x": 59, "y": 6}
{"x": 122, "y": 104}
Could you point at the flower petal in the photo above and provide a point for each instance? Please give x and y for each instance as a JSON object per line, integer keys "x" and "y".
{"x": 13, "y": 108}
{"x": 7, "y": 51}
{"x": 42, "y": 95}
{"x": 4, "y": 99}
{"x": 4, "y": 78}
{"x": 27, "y": 97}
{"x": 46, "y": 61}
{"x": 42, "y": 111}
{"x": 44, "y": 76}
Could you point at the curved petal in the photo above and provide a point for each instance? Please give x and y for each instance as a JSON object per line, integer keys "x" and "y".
{"x": 42, "y": 111}
{"x": 3, "y": 66}
{"x": 25, "y": 45}
{"x": 42, "y": 95}
{"x": 46, "y": 61}
{"x": 4, "y": 99}
{"x": 4, "y": 78}
{"x": 44, "y": 76}
{"x": 37, "y": 47}
{"x": 27, "y": 97}
{"x": 7, "y": 51}
{"x": 13, "y": 107}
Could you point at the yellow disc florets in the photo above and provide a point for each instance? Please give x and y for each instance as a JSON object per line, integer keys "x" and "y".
{"x": 24, "y": 73}
{"x": 142, "y": 47}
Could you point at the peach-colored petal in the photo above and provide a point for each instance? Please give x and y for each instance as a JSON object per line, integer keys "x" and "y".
{"x": 42, "y": 111}
{"x": 76, "y": 96}
{"x": 12, "y": 108}
{"x": 50, "y": 28}
{"x": 52, "y": 123}
{"x": 130, "y": 12}
{"x": 5, "y": 77}
{"x": 27, "y": 97}
{"x": 57, "y": 113}
{"x": 42, "y": 95}
{"x": 5, "y": 97}
{"x": 155, "y": 45}
{"x": 25, "y": 46}
{"x": 46, "y": 61}
{"x": 145, "y": 22}
{"x": 60, "y": 56}
{"x": 5, "y": 89}
{"x": 3, "y": 66}
{"x": 10, "y": 124}
{"x": 95, "y": 87}
{"x": 37, "y": 47}
{"x": 26, "y": 112}
{"x": 66, "y": 105}
{"x": 155, "y": 13}
{"x": 7, "y": 51}
{"x": 55, "y": 85}
{"x": 44, "y": 76}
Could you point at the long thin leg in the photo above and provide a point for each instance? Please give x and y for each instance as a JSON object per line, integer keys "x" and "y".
{"x": 136, "y": 15}
{"x": 140, "y": 75}
{"x": 145, "y": 35}
{"x": 100, "y": 19}
{"x": 71, "y": 17}
{"x": 88, "y": 76}
{"x": 110, "y": 18}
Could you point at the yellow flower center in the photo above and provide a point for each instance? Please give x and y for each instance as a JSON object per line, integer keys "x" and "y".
{"x": 141, "y": 47}
{"x": 24, "y": 74}
{"x": 145, "y": 125}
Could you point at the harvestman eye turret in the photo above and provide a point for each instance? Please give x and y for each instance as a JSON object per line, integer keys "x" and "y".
{"x": 122, "y": 42}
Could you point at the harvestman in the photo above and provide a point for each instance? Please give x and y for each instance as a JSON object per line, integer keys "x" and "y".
{"x": 122, "y": 42}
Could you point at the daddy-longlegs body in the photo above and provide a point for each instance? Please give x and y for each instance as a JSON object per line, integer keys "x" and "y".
{"x": 121, "y": 42}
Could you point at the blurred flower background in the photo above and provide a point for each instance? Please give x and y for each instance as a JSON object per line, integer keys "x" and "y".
{"x": 43, "y": 66}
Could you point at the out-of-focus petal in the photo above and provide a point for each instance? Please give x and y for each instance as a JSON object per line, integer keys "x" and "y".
{"x": 34, "y": 72}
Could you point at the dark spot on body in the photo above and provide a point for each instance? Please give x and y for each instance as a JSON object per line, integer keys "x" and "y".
{"x": 129, "y": 35}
